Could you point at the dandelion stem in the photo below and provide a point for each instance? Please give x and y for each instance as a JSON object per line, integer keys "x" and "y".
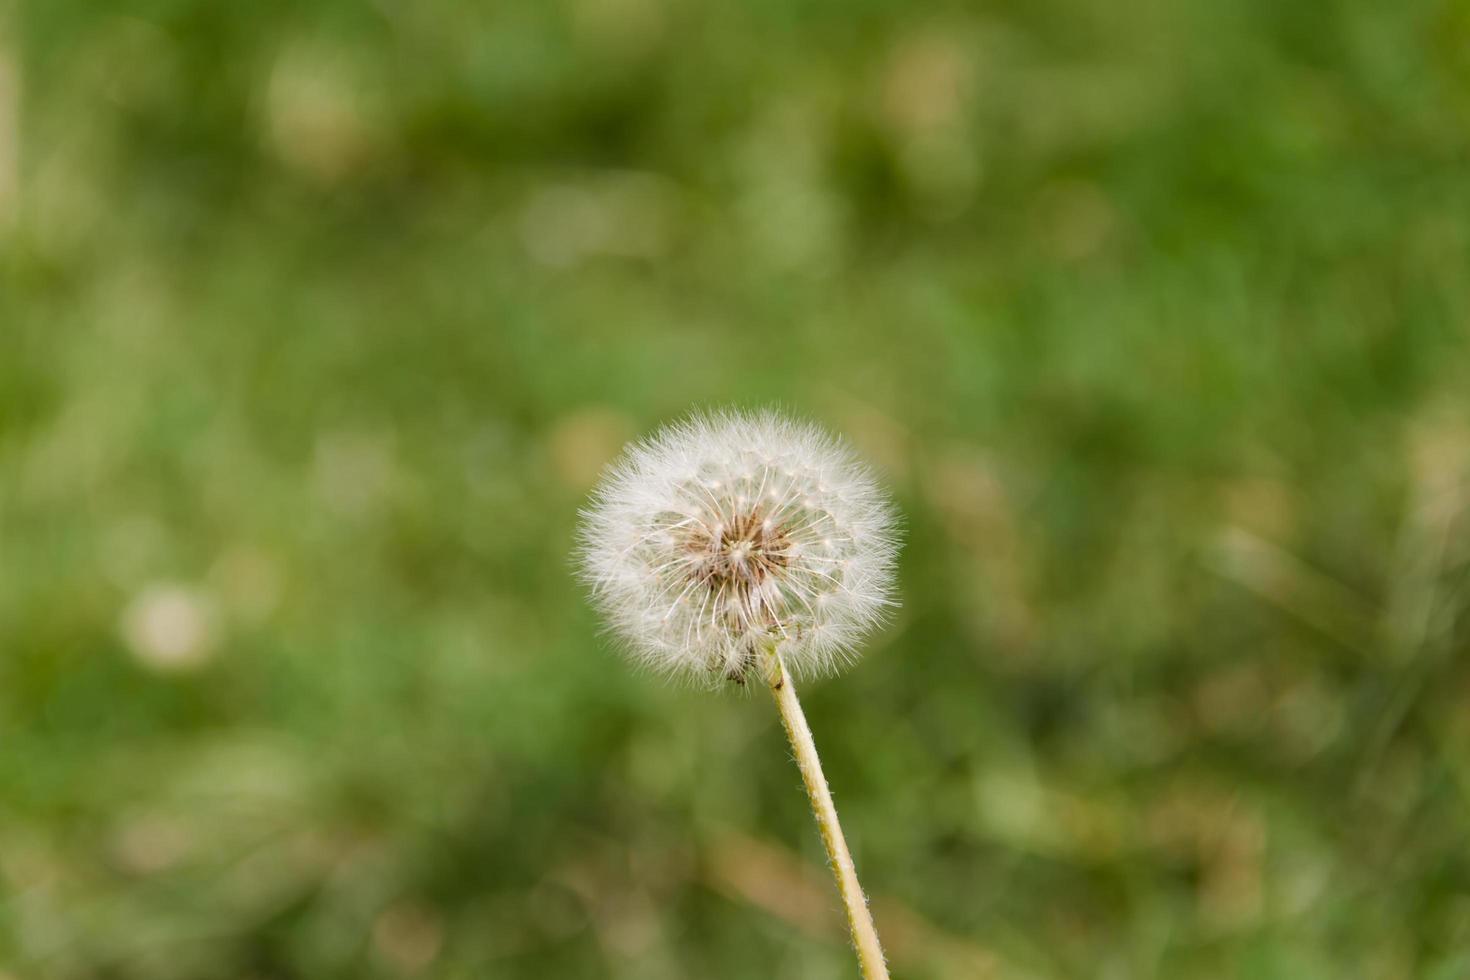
{"x": 859, "y": 919}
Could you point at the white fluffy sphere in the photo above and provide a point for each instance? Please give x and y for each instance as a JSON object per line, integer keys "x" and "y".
{"x": 725, "y": 534}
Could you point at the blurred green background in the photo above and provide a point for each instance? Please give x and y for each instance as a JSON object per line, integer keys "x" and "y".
{"x": 318, "y": 321}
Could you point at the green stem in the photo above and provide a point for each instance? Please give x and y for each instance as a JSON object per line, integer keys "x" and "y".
{"x": 859, "y": 919}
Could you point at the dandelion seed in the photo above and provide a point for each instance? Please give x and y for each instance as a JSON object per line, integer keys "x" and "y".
{"x": 710, "y": 566}
{"x": 170, "y": 628}
{"x": 655, "y": 536}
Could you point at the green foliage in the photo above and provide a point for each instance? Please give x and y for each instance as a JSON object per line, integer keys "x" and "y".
{"x": 318, "y": 320}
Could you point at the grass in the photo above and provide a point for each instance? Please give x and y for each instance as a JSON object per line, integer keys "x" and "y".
{"x": 316, "y": 324}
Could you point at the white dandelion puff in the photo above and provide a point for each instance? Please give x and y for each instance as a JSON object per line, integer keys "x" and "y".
{"x": 728, "y": 533}
{"x": 737, "y": 542}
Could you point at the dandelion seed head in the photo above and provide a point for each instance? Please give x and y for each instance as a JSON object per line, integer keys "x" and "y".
{"x": 727, "y": 533}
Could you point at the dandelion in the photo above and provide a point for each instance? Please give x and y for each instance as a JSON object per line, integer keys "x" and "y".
{"x": 170, "y": 628}
{"x": 727, "y": 534}
{"x": 739, "y": 544}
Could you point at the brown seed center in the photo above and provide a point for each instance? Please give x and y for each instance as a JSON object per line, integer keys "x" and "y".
{"x": 740, "y": 554}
